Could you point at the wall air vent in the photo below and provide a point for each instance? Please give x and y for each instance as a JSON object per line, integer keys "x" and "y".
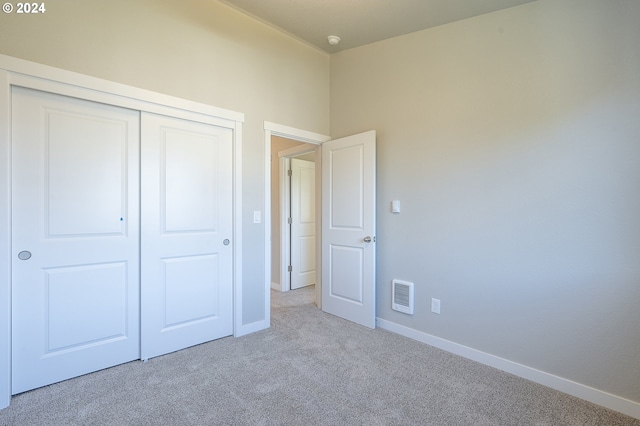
{"x": 402, "y": 296}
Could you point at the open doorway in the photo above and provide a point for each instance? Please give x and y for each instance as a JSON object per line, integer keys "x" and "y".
{"x": 293, "y": 214}
{"x": 295, "y": 137}
{"x": 349, "y": 290}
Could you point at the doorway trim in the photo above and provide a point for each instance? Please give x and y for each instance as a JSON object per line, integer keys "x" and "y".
{"x": 19, "y": 72}
{"x": 274, "y": 129}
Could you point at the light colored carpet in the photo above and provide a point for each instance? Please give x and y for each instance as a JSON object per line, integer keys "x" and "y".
{"x": 309, "y": 368}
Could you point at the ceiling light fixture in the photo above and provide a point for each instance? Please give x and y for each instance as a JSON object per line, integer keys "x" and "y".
{"x": 333, "y": 40}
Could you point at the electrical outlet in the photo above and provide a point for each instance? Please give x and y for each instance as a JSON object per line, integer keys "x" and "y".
{"x": 435, "y": 306}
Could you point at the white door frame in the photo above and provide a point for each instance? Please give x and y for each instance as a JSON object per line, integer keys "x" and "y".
{"x": 18, "y": 72}
{"x": 284, "y": 163}
{"x": 274, "y": 129}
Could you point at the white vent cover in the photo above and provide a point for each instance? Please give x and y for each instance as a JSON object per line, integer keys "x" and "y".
{"x": 402, "y": 296}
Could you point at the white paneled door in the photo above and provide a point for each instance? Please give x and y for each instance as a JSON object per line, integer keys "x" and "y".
{"x": 303, "y": 223}
{"x": 348, "y": 227}
{"x": 122, "y": 236}
{"x": 187, "y": 231}
{"x": 75, "y": 237}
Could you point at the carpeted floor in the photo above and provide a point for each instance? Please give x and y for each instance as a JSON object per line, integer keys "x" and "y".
{"x": 309, "y": 368}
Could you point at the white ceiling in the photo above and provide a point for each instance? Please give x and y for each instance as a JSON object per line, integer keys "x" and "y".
{"x": 360, "y": 22}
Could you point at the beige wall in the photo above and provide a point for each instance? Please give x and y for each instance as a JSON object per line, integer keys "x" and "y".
{"x": 513, "y": 142}
{"x": 198, "y": 50}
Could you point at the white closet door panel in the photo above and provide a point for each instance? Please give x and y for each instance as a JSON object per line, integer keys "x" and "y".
{"x": 98, "y": 313}
{"x": 186, "y": 234}
{"x": 190, "y": 183}
{"x": 75, "y": 237}
{"x": 94, "y": 152}
{"x": 189, "y": 290}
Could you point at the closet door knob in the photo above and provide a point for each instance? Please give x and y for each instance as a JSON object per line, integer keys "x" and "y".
{"x": 24, "y": 255}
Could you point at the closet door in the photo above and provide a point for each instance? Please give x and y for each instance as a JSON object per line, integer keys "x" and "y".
{"x": 75, "y": 237}
{"x": 187, "y": 233}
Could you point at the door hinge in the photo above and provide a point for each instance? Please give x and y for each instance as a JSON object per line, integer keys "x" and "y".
{"x": 289, "y": 220}
{"x": 290, "y": 268}
{"x": 289, "y": 172}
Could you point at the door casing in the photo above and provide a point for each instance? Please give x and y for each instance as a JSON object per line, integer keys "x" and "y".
{"x": 18, "y": 72}
{"x": 274, "y": 129}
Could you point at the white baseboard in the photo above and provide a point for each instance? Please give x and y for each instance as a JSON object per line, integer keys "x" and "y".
{"x": 276, "y": 286}
{"x": 604, "y": 399}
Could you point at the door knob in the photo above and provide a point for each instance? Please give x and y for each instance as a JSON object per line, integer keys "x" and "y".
{"x": 367, "y": 239}
{"x": 226, "y": 242}
{"x": 24, "y": 255}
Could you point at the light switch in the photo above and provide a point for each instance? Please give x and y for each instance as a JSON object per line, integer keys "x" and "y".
{"x": 395, "y": 206}
{"x": 257, "y": 216}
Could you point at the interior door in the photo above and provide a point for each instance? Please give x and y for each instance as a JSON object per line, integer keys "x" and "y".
{"x": 187, "y": 247}
{"x": 348, "y": 227}
{"x": 75, "y": 237}
{"x": 303, "y": 223}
